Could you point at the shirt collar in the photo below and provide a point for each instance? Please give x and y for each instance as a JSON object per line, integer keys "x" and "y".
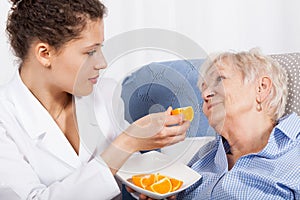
{"x": 40, "y": 121}
{"x": 29, "y": 106}
{"x": 290, "y": 126}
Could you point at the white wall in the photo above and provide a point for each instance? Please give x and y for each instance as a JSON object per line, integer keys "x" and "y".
{"x": 273, "y": 25}
{"x": 215, "y": 25}
{"x": 6, "y": 57}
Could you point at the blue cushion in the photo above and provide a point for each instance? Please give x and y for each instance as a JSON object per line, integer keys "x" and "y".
{"x": 156, "y": 86}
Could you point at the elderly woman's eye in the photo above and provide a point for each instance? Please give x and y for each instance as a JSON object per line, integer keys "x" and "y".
{"x": 220, "y": 78}
{"x": 203, "y": 87}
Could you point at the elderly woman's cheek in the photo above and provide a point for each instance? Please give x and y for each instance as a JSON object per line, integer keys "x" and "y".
{"x": 204, "y": 109}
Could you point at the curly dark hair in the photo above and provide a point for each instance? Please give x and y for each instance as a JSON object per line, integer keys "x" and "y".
{"x": 54, "y": 22}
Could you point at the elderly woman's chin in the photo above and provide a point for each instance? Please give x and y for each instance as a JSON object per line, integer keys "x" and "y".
{"x": 216, "y": 119}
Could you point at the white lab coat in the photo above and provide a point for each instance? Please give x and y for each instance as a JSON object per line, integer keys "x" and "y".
{"x": 36, "y": 159}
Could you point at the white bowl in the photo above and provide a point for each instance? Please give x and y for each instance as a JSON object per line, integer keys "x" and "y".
{"x": 156, "y": 162}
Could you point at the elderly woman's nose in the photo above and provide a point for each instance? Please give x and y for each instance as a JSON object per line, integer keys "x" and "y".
{"x": 207, "y": 94}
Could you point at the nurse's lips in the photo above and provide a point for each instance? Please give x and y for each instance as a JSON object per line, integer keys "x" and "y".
{"x": 94, "y": 79}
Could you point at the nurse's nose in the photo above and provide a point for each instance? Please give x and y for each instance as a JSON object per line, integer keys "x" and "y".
{"x": 101, "y": 62}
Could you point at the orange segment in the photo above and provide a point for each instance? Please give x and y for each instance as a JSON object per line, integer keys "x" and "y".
{"x": 143, "y": 180}
{"x": 162, "y": 187}
{"x": 176, "y": 184}
{"x": 148, "y": 180}
{"x": 187, "y": 112}
{"x": 158, "y": 177}
{"x": 149, "y": 188}
{"x": 136, "y": 180}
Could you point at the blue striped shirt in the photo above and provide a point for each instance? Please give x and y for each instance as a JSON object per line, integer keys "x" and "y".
{"x": 273, "y": 173}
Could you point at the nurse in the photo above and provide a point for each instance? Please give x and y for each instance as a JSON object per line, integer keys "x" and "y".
{"x": 42, "y": 155}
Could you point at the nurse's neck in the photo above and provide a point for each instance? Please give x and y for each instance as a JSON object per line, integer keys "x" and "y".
{"x": 39, "y": 82}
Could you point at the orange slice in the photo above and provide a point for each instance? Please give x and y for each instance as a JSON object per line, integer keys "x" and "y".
{"x": 157, "y": 183}
{"x": 158, "y": 177}
{"x": 143, "y": 180}
{"x": 162, "y": 187}
{"x": 176, "y": 184}
{"x": 187, "y": 112}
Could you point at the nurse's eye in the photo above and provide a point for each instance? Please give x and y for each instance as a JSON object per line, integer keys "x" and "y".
{"x": 91, "y": 53}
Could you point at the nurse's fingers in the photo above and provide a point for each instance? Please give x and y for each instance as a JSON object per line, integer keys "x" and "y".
{"x": 130, "y": 190}
{"x": 175, "y": 130}
{"x": 176, "y": 139}
{"x": 173, "y": 119}
{"x": 172, "y": 197}
{"x": 144, "y": 197}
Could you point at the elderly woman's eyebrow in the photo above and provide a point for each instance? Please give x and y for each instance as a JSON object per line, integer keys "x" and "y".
{"x": 211, "y": 71}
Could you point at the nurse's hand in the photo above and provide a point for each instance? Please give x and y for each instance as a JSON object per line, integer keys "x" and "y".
{"x": 155, "y": 131}
{"x": 144, "y": 197}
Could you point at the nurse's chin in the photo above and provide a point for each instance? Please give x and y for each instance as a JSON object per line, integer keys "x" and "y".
{"x": 83, "y": 91}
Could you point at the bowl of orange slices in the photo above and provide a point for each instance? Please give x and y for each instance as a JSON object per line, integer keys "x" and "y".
{"x": 155, "y": 175}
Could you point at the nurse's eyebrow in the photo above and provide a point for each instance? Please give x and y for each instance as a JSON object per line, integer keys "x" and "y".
{"x": 93, "y": 45}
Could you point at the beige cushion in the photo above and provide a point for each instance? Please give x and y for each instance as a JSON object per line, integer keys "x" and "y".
{"x": 291, "y": 63}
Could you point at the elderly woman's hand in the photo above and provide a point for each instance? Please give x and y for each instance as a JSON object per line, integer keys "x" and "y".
{"x": 144, "y": 197}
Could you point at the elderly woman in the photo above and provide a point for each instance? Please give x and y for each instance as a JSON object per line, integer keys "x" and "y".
{"x": 256, "y": 154}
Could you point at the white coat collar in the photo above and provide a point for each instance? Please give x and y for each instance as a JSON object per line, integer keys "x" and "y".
{"x": 39, "y": 124}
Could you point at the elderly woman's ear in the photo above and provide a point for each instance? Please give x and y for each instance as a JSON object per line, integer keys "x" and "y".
{"x": 263, "y": 89}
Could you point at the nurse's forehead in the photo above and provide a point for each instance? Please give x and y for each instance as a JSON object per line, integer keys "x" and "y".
{"x": 91, "y": 35}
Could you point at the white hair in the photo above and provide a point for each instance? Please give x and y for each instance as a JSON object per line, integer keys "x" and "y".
{"x": 252, "y": 65}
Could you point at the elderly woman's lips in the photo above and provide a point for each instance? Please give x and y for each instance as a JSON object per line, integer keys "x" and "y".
{"x": 212, "y": 105}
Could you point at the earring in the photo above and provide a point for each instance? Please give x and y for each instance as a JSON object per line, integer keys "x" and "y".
{"x": 258, "y": 106}
{"x": 48, "y": 65}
